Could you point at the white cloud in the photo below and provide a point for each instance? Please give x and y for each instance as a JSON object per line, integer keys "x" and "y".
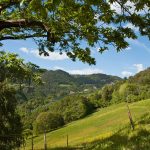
{"x": 58, "y": 68}
{"x": 126, "y": 73}
{"x": 86, "y": 71}
{"x": 115, "y": 6}
{"x": 97, "y": 49}
{"x": 131, "y": 7}
{"x": 96, "y": 16}
{"x": 139, "y": 67}
{"x": 24, "y": 49}
{"x": 52, "y": 55}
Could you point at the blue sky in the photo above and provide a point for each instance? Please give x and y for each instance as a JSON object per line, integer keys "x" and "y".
{"x": 125, "y": 63}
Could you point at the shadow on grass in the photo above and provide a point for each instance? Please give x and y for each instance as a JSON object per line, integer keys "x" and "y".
{"x": 138, "y": 141}
{"x": 125, "y": 139}
{"x": 64, "y": 148}
{"x": 145, "y": 119}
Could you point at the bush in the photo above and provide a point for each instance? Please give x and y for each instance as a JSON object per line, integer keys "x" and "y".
{"x": 72, "y": 108}
{"x": 47, "y": 121}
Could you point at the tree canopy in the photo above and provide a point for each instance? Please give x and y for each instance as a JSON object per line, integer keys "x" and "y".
{"x": 13, "y": 70}
{"x": 10, "y": 122}
{"x": 63, "y": 25}
{"x": 47, "y": 121}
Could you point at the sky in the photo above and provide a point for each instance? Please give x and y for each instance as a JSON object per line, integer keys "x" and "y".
{"x": 124, "y": 64}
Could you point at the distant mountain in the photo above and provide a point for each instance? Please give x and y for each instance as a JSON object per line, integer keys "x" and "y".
{"x": 97, "y": 80}
{"x": 60, "y": 83}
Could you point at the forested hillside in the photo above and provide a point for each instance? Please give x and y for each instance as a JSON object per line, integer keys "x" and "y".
{"x": 58, "y": 84}
{"x": 130, "y": 90}
{"x": 76, "y": 105}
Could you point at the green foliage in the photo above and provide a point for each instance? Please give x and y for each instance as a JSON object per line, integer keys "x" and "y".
{"x": 11, "y": 66}
{"x": 19, "y": 74}
{"x": 14, "y": 72}
{"x": 35, "y": 99}
{"x": 47, "y": 121}
{"x": 107, "y": 92}
{"x": 142, "y": 78}
{"x": 72, "y": 108}
{"x": 67, "y": 24}
{"x": 129, "y": 90}
{"x": 65, "y": 83}
{"x": 10, "y": 123}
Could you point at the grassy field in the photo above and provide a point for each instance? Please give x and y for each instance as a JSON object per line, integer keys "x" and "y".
{"x": 100, "y": 125}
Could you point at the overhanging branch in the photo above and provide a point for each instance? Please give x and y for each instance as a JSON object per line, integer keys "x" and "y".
{"x": 20, "y": 37}
{"x": 21, "y": 23}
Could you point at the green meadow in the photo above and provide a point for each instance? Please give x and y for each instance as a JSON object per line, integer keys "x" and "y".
{"x": 101, "y": 125}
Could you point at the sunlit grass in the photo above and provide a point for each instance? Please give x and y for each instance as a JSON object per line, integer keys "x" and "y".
{"x": 101, "y": 124}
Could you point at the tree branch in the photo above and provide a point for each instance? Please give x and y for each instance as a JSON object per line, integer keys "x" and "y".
{"x": 20, "y": 37}
{"x": 121, "y": 5}
{"x": 22, "y": 23}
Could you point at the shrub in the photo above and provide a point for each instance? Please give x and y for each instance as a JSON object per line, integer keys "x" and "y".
{"x": 72, "y": 108}
{"x": 47, "y": 121}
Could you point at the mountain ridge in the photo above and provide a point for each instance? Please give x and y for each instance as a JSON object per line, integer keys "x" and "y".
{"x": 59, "y": 83}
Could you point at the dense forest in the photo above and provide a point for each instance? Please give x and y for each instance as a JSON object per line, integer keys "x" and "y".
{"x": 54, "y": 81}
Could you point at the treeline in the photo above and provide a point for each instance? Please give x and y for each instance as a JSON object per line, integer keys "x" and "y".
{"x": 13, "y": 74}
{"x": 78, "y": 106}
{"x": 128, "y": 90}
{"x": 135, "y": 88}
{"x": 68, "y": 109}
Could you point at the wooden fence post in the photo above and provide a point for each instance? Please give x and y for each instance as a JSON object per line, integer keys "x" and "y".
{"x": 130, "y": 117}
{"x": 45, "y": 144}
{"x": 32, "y": 141}
{"x": 67, "y": 141}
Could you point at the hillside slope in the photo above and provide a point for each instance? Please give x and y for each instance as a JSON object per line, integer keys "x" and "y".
{"x": 102, "y": 123}
{"x": 65, "y": 83}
